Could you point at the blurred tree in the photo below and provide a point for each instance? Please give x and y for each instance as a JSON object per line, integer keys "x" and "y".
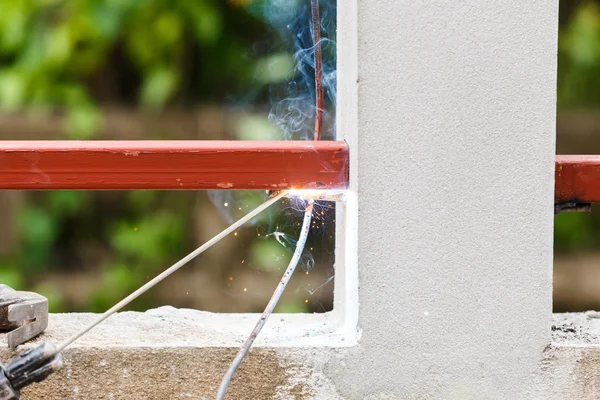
{"x": 578, "y": 87}
{"x": 69, "y": 56}
{"x": 74, "y": 57}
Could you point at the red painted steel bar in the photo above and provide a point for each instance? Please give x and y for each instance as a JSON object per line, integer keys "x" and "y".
{"x": 577, "y": 179}
{"x": 173, "y": 165}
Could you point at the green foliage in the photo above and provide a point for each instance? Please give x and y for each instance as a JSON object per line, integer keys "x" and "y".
{"x": 579, "y": 58}
{"x": 573, "y": 231}
{"x": 52, "y": 52}
{"x": 10, "y": 276}
{"x": 150, "y": 239}
{"x": 38, "y": 229}
{"x": 578, "y": 86}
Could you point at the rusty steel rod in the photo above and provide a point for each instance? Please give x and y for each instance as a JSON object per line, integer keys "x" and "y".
{"x": 318, "y": 60}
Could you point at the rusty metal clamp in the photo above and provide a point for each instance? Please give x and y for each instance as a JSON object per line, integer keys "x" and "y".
{"x": 23, "y": 314}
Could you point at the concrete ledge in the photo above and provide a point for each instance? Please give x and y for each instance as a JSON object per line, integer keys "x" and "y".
{"x": 571, "y": 365}
{"x": 176, "y": 354}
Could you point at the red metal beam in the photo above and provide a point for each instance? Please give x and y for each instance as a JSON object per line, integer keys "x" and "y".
{"x": 173, "y": 165}
{"x": 577, "y": 179}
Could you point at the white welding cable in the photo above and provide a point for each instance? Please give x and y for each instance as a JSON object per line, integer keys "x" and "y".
{"x": 171, "y": 269}
{"x": 272, "y": 303}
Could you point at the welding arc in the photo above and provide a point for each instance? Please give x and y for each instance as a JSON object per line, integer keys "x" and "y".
{"x": 171, "y": 269}
{"x": 272, "y": 302}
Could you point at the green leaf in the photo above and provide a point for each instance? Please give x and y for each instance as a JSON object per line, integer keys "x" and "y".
{"x": 58, "y": 46}
{"x": 274, "y": 68}
{"x": 573, "y": 231}
{"x": 13, "y": 90}
{"x": 11, "y": 277}
{"x": 38, "y": 232}
{"x": 168, "y": 28}
{"x": 82, "y": 122}
{"x": 206, "y": 21}
{"x": 67, "y": 202}
{"x": 13, "y": 25}
{"x": 255, "y": 127}
{"x": 268, "y": 255}
{"x": 151, "y": 240}
{"x": 158, "y": 86}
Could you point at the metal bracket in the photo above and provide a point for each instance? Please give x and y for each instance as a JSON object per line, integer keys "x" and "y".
{"x": 24, "y": 314}
{"x": 572, "y": 207}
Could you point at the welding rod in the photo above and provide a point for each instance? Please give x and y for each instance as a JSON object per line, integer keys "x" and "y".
{"x": 172, "y": 269}
{"x": 272, "y": 302}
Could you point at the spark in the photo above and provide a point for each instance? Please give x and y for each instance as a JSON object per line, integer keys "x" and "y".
{"x": 245, "y": 289}
{"x": 231, "y": 278}
{"x": 306, "y": 301}
{"x": 226, "y": 204}
{"x": 235, "y": 234}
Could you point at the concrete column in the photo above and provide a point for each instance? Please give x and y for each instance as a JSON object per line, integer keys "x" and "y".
{"x": 456, "y": 133}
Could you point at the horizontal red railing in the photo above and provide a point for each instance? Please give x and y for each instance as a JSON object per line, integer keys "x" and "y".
{"x": 194, "y": 165}
{"x": 173, "y": 165}
{"x": 577, "y": 179}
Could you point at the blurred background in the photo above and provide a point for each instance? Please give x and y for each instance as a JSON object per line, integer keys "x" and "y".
{"x": 236, "y": 69}
{"x": 577, "y": 235}
{"x": 161, "y": 69}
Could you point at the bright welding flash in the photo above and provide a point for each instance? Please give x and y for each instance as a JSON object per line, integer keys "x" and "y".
{"x": 318, "y": 194}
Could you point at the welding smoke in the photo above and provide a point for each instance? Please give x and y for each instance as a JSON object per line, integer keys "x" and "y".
{"x": 292, "y": 101}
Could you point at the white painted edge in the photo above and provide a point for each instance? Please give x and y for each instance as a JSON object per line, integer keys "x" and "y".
{"x": 346, "y": 301}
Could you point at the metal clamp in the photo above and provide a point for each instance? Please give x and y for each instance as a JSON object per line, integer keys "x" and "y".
{"x": 24, "y": 314}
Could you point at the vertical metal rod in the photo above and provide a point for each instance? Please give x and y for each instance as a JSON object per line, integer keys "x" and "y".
{"x": 316, "y": 32}
{"x": 316, "y": 25}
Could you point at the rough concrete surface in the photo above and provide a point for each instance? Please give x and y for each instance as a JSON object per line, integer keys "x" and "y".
{"x": 174, "y": 354}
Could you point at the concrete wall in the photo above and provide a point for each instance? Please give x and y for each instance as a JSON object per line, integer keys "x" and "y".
{"x": 449, "y": 109}
{"x": 455, "y": 189}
